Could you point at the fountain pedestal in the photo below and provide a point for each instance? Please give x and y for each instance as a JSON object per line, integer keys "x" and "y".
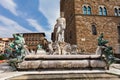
{"x": 62, "y": 62}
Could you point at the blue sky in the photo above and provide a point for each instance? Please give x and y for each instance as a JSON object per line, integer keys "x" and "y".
{"x": 24, "y": 16}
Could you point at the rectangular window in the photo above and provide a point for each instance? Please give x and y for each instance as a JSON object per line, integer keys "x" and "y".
{"x": 118, "y": 27}
{"x": 94, "y": 31}
{"x": 119, "y": 12}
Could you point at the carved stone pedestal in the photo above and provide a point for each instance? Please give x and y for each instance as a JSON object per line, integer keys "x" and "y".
{"x": 61, "y": 62}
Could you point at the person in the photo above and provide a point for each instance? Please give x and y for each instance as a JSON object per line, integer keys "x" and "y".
{"x": 60, "y": 27}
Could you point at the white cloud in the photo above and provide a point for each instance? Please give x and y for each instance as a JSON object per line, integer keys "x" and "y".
{"x": 50, "y": 9}
{"x": 35, "y": 24}
{"x": 8, "y": 27}
{"x": 9, "y": 5}
{"x": 39, "y": 28}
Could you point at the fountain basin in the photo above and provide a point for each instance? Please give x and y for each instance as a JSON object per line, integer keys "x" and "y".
{"x": 62, "y": 62}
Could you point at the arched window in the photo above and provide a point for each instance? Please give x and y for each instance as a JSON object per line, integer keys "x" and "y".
{"x": 100, "y": 11}
{"x": 94, "y": 30}
{"x": 89, "y": 10}
{"x": 84, "y": 10}
{"x": 116, "y": 11}
{"x": 119, "y": 12}
{"x": 104, "y": 11}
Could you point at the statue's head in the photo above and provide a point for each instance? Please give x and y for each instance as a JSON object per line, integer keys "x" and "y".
{"x": 62, "y": 14}
{"x": 21, "y": 35}
{"x": 14, "y": 35}
{"x": 101, "y": 35}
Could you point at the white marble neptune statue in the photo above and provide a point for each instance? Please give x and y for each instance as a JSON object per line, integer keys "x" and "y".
{"x": 60, "y": 27}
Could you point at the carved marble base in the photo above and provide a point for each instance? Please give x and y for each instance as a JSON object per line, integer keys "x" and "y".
{"x": 99, "y": 50}
{"x": 56, "y": 62}
{"x": 41, "y": 52}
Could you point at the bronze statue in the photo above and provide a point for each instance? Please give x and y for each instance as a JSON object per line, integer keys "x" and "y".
{"x": 101, "y": 41}
{"x": 16, "y": 50}
{"x": 109, "y": 57}
{"x": 106, "y": 51}
{"x": 39, "y": 47}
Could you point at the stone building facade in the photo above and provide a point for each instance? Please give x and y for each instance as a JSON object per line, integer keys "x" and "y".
{"x": 87, "y": 19}
{"x": 4, "y": 43}
{"x": 33, "y": 39}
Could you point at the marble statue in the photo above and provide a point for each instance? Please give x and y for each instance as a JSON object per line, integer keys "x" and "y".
{"x": 62, "y": 48}
{"x": 66, "y": 49}
{"x": 60, "y": 27}
{"x": 56, "y": 48}
{"x": 50, "y": 48}
{"x": 74, "y": 49}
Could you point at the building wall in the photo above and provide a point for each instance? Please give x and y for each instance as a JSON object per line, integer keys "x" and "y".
{"x": 107, "y": 25}
{"x": 2, "y": 46}
{"x": 80, "y": 25}
{"x": 33, "y": 39}
{"x": 4, "y": 43}
{"x": 67, "y": 7}
{"x": 94, "y": 4}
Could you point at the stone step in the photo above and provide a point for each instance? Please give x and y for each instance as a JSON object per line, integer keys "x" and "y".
{"x": 70, "y": 76}
{"x": 62, "y": 57}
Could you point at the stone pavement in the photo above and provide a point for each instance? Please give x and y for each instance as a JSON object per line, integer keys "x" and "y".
{"x": 115, "y": 69}
{"x": 4, "y": 67}
{"x": 7, "y": 75}
{"x": 6, "y": 72}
